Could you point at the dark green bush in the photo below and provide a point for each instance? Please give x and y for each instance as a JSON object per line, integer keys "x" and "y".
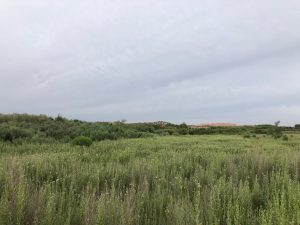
{"x": 247, "y": 136}
{"x": 82, "y": 141}
{"x": 259, "y": 200}
{"x": 8, "y": 137}
{"x": 183, "y": 131}
{"x": 9, "y": 134}
{"x": 285, "y": 138}
{"x": 60, "y": 118}
{"x": 276, "y": 131}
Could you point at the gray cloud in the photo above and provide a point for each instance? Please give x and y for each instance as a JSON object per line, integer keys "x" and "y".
{"x": 193, "y": 61}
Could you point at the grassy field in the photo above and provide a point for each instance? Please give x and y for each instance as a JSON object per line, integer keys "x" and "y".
{"x": 188, "y": 180}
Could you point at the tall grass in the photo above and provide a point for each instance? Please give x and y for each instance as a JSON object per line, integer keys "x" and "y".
{"x": 160, "y": 181}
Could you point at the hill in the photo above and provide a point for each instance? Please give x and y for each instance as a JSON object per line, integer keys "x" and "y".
{"x": 214, "y": 125}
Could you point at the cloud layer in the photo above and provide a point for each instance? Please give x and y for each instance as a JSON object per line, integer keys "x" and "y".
{"x": 193, "y": 61}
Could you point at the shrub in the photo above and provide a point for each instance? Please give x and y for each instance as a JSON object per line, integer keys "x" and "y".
{"x": 276, "y": 131}
{"x": 183, "y": 131}
{"x": 259, "y": 200}
{"x": 11, "y": 133}
{"x": 82, "y": 141}
{"x": 285, "y": 138}
{"x": 8, "y": 137}
{"x": 247, "y": 136}
{"x": 183, "y": 125}
{"x": 60, "y": 118}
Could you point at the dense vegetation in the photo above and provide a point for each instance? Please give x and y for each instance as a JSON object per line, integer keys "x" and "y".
{"x": 192, "y": 180}
{"x": 41, "y": 129}
{"x": 55, "y": 171}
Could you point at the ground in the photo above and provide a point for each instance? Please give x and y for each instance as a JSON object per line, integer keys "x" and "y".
{"x": 217, "y": 179}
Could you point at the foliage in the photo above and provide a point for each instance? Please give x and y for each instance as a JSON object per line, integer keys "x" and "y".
{"x": 40, "y": 129}
{"x": 247, "y": 136}
{"x": 285, "y": 137}
{"x": 276, "y": 131}
{"x": 82, "y": 141}
{"x": 171, "y": 180}
{"x": 11, "y": 133}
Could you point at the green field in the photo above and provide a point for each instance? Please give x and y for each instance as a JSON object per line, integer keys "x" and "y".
{"x": 192, "y": 180}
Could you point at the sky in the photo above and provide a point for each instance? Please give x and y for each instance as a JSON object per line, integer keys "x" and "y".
{"x": 193, "y": 61}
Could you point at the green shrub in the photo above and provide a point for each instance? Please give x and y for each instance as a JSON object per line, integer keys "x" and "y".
{"x": 285, "y": 138}
{"x": 247, "y": 136}
{"x": 82, "y": 141}
{"x": 259, "y": 200}
{"x": 9, "y": 134}
{"x": 183, "y": 131}
{"x": 276, "y": 131}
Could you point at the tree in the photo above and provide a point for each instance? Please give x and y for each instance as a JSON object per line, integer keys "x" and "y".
{"x": 59, "y": 118}
{"x": 276, "y": 131}
{"x": 277, "y": 123}
{"x": 183, "y": 125}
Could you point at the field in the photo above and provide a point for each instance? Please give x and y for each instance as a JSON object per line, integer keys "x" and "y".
{"x": 192, "y": 180}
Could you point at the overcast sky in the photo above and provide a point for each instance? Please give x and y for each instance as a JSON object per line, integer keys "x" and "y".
{"x": 193, "y": 61}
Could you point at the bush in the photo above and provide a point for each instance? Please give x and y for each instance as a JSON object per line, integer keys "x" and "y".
{"x": 285, "y": 138}
{"x": 259, "y": 200}
{"x": 83, "y": 141}
{"x": 8, "y": 137}
{"x": 9, "y": 134}
{"x": 247, "y": 136}
{"x": 183, "y": 131}
{"x": 60, "y": 118}
{"x": 276, "y": 131}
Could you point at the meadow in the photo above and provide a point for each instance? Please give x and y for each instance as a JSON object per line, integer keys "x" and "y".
{"x": 161, "y": 180}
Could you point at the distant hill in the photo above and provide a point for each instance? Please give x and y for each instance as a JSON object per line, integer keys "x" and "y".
{"x": 214, "y": 125}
